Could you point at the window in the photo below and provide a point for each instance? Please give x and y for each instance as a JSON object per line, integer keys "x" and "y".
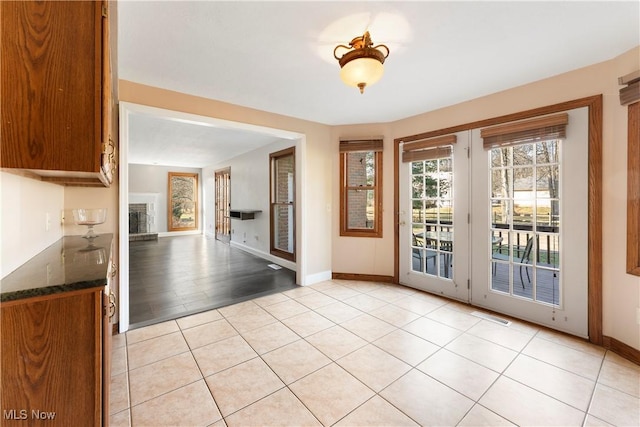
{"x": 183, "y": 201}
{"x": 283, "y": 194}
{"x": 361, "y": 188}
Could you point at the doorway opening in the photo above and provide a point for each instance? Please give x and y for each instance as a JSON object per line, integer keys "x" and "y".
{"x": 135, "y": 113}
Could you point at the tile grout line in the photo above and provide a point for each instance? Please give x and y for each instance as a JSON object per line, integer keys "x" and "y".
{"x": 367, "y": 342}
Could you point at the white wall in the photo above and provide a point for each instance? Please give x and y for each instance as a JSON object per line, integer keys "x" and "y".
{"x": 155, "y": 179}
{"x": 26, "y": 203}
{"x": 249, "y": 190}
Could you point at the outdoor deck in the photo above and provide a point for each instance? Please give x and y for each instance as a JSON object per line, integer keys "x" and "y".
{"x": 547, "y": 288}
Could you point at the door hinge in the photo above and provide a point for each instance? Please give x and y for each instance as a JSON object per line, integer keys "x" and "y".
{"x": 468, "y": 218}
{"x": 468, "y": 283}
{"x": 105, "y": 11}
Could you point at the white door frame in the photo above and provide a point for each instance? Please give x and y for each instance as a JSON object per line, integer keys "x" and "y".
{"x": 571, "y": 315}
{"x": 457, "y": 287}
{"x": 126, "y": 110}
{"x": 595, "y": 106}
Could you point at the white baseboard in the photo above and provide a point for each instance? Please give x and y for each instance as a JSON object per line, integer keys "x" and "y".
{"x": 283, "y": 262}
{"x": 317, "y": 277}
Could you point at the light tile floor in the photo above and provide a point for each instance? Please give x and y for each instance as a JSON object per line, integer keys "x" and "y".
{"x": 351, "y": 353}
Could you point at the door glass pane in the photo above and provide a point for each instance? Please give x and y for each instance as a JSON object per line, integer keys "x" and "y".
{"x": 523, "y": 214}
{"x": 417, "y": 212}
{"x": 417, "y": 186}
{"x": 417, "y": 168}
{"x": 501, "y": 183}
{"x": 548, "y": 215}
{"x": 501, "y": 157}
{"x": 525, "y": 256}
{"x": 500, "y": 213}
{"x": 445, "y": 183}
{"x": 547, "y": 152}
{"x": 432, "y": 217}
{"x": 523, "y": 154}
{"x": 547, "y": 181}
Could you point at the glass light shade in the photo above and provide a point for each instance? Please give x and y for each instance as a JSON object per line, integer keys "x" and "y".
{"x": 362, "y": 70}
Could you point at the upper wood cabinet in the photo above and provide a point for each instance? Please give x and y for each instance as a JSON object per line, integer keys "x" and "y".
{"x": 56, "y": 91}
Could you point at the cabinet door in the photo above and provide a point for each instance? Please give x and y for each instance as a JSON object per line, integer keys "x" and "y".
{"x": 52, "y": 361}
{"x": 51, "y": 75}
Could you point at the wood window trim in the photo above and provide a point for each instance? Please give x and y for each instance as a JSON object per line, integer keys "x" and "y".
{"x": 376, "y": 231}
{"x": 633, "y": 189}
{"x": 594, "y": 104}
{"x": 290, "y": 256}
{"x": 170, "y": 227}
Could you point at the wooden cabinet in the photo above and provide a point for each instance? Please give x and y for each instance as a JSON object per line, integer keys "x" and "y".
{"x": 54, "y": 359}
{"x": 56, "y": 104}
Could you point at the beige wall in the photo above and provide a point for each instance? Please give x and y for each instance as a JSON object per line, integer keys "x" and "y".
{"x": 364, "y": 255}
{"x": 327, "y": 251}
{"x": 26, "y": 202}
{"x": 317, "y": 148}
{"x": 621, "y": 291}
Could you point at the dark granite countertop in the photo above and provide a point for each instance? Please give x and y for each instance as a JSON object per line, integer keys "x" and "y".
{"x": 71, "y": 263}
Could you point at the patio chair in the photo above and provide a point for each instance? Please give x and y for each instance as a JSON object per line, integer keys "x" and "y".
{"x": 524, "y": 259}
{"x": 417, "y": 253}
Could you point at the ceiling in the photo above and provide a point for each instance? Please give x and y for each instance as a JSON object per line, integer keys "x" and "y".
{"x": 278, "y": 56}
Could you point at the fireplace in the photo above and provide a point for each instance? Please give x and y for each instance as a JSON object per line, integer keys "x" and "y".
{"x": 138, "y": 218}
{"x": 140, "y": 222}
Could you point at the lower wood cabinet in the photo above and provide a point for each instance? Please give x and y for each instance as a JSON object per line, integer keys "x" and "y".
{"x": 54, "y": 355}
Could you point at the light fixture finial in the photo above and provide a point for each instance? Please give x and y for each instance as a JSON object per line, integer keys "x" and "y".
{"x": 362, "y": 65}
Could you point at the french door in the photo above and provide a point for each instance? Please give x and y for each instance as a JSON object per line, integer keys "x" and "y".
{"x": 433, "y": 215}
{"x": 223, "y": 205}
{"x": 501, "y": 223}
{"x": 530, "y": 226}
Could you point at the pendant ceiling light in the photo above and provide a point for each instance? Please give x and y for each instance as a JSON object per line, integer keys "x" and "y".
{"x": 362, "y": 64}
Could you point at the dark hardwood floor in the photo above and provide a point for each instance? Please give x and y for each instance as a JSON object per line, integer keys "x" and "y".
{"x": 177, "y": 276}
